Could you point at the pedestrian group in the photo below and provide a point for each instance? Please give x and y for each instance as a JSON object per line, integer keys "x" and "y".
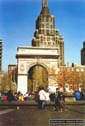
{"x": 57, "y": 97}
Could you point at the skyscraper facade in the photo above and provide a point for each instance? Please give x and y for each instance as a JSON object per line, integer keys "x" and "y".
{"x": 46, "y": 35}
{"x": 0, "y": 55}
{"x": 83, "y": 54}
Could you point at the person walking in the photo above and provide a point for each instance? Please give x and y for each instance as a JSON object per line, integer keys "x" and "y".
{"x": 56, "y": 100}
{"x": 59, "y": 101}
{"x": 42, "y": 98}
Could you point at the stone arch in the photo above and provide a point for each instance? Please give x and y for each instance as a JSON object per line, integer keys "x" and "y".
{"x": 37, "y": 76}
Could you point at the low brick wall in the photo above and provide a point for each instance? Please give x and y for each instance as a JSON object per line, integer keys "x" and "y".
{"x": 70, "y": 99}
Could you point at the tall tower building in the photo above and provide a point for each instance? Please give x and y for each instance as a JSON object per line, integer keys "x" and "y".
{"x": 0, "y": 55}
{"x": 83, "y": 54}
{"x": 46, "y": 35}
{"x": 39, "y": 64}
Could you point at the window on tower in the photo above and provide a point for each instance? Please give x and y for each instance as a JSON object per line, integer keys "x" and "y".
{"x": 47, "y": 25}
{"x": 47, "y": 19}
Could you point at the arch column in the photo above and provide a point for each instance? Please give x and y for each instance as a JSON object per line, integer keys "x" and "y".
{"x": 22, "y": 83}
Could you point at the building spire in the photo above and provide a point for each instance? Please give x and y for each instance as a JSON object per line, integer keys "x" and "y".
{"x": 44, "y": 3}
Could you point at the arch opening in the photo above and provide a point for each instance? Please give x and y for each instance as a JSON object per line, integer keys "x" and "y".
{"x": 37, "y": 76}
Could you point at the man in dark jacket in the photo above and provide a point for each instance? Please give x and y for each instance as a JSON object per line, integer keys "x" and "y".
{"x": 10, "y": 96}
{"x": 59, "y": 100}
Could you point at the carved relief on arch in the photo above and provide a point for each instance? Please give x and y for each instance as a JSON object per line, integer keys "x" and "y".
{"x": 21, "y": 67}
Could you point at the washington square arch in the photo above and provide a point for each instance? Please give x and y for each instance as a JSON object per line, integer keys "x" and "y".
{"x": 38, "y": 64}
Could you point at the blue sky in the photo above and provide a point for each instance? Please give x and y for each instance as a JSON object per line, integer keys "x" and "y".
{"x": 17, "y": 26}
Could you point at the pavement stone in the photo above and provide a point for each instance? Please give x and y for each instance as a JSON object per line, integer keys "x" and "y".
{"x": 32, "y": 116}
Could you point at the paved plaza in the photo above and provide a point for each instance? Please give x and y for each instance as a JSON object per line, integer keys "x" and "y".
{"x": 32, "y": 116}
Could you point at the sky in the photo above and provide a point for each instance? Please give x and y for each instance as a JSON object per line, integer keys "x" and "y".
{"x": 17, "y": 26}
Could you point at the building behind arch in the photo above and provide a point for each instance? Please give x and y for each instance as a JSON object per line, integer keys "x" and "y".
{"x": 44, "y": 56}
{"x": 83, "y": 54}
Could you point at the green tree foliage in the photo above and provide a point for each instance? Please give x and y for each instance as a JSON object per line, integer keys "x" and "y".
{"x": 6, "y": 82}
